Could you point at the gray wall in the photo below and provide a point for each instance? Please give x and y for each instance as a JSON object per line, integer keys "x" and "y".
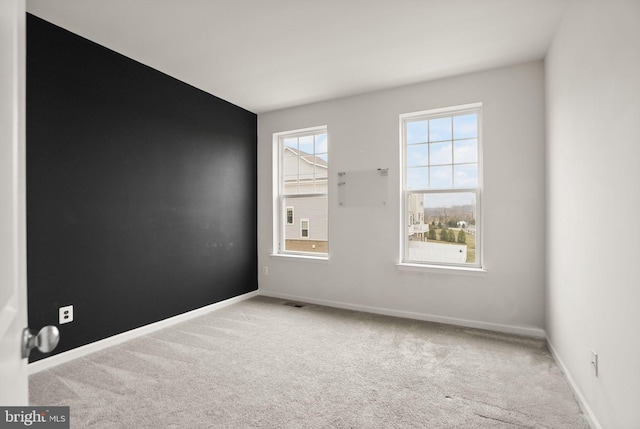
{"x": 364, "y": 238}
{"x": 593, "y": 146}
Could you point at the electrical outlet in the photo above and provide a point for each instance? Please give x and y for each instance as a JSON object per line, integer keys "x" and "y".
{"x": 65, "y": 314}
{"x": 594, "y": 362}
{"x": 265, "y": 270}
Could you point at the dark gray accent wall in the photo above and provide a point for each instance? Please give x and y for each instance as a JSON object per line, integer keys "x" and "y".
{"x": 141, "y": 191}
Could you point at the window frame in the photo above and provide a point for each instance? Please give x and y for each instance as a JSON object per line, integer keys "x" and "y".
{"x": 279, "y": 197}
{"x": 405, "y": 193}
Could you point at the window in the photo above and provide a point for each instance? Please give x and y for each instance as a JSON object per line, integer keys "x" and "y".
{"x": 302, "y": 176}
{"x": 290, "y": 219}
{"x": 441, "y": 165}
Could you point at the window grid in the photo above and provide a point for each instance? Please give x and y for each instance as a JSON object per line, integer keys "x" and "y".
{"x": 462, "y": 153}
{"x": 312, "y": 151}
{"x": 302, "y": 172}
{"x": 432, "y": 164}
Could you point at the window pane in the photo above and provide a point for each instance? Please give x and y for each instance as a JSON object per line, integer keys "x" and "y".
{"x": 321, "y": 180}
{"x": 310, "y": 233}
{"x": 321, "y": 143}
{"x": 439, "y": 129}
{"x": 447, "y": 231}
{"x": 289, "y": 153}
{"x": 291, "y": 143}
{"x": 320, "y": 160}
{"x": 466, "y": 175}
{"x": 440, "y": 177}
{"x": 440, "y": 153}
{"x": 417, "y": 155}
{"x": 291, "y": 186}
{"x": 306, "y": 145}
{"x": 416, "y": 132}
{"x": 307, "y": 167}
{"x": 418, "y": 178}
{"x": 321, "y": 173}
{"x": 465, "y": 151}
{"x": 290, "y": 167}
{"x": 465, "y": 126}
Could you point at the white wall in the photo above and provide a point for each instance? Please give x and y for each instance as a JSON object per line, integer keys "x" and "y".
{"x": 364, "y": 239}
{"x": 593, "y": 254}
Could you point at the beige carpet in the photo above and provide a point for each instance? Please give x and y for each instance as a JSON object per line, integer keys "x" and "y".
{"x": 263, "y": 364}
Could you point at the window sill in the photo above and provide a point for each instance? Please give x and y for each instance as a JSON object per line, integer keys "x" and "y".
{"x": 296, "y": 256}
{"x": 465, "y": 271}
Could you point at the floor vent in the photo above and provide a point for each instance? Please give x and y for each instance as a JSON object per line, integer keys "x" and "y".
{"x": 294, "y": 304}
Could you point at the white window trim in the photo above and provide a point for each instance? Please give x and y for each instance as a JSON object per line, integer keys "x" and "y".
{"x": 471, "y": 269}
{"x": 278, "y": 200}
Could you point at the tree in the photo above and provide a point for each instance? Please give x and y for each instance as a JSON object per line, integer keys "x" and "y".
{"x": 462, "y": 237}
{"x": 451, "y": 238}
{"x": 444, "y": 234}
{"x": 432, "y": 234}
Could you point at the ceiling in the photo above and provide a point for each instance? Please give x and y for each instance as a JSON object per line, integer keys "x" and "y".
{"x": 266, "y": 55}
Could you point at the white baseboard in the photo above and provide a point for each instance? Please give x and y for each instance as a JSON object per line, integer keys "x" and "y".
{"x": 81, "y": 351}
{"x": 517, "y": 330}
{"x": 582, "y": 402}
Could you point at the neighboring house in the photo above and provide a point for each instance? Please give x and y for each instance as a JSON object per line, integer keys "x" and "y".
{"x": 306, "y": 219}
{"x": 416, "y": 226}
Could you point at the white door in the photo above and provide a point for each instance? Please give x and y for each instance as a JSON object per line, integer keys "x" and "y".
{"x": 13, "y": 288}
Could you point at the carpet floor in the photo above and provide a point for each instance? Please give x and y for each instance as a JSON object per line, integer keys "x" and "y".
{"x": 263, "y": 364}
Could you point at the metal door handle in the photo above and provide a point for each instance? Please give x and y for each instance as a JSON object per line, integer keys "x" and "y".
{"x": 46, "y": 340}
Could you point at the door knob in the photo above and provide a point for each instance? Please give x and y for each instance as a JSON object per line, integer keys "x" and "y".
{"x": 46, "y": 340}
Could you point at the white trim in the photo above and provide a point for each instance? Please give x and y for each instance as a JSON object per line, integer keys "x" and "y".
{"x": 445, "y": 111}
{"x": 580, "y": 399}
{"x": 85, "y": 350}
{"x": 301, "y": 132}
{"x": 449, "y": 269}
{"x": 496, "y": 327}
{"x": 303, "y": 257}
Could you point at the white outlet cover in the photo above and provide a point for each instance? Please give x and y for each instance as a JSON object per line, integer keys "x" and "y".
{"x": 65, "y": 314}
